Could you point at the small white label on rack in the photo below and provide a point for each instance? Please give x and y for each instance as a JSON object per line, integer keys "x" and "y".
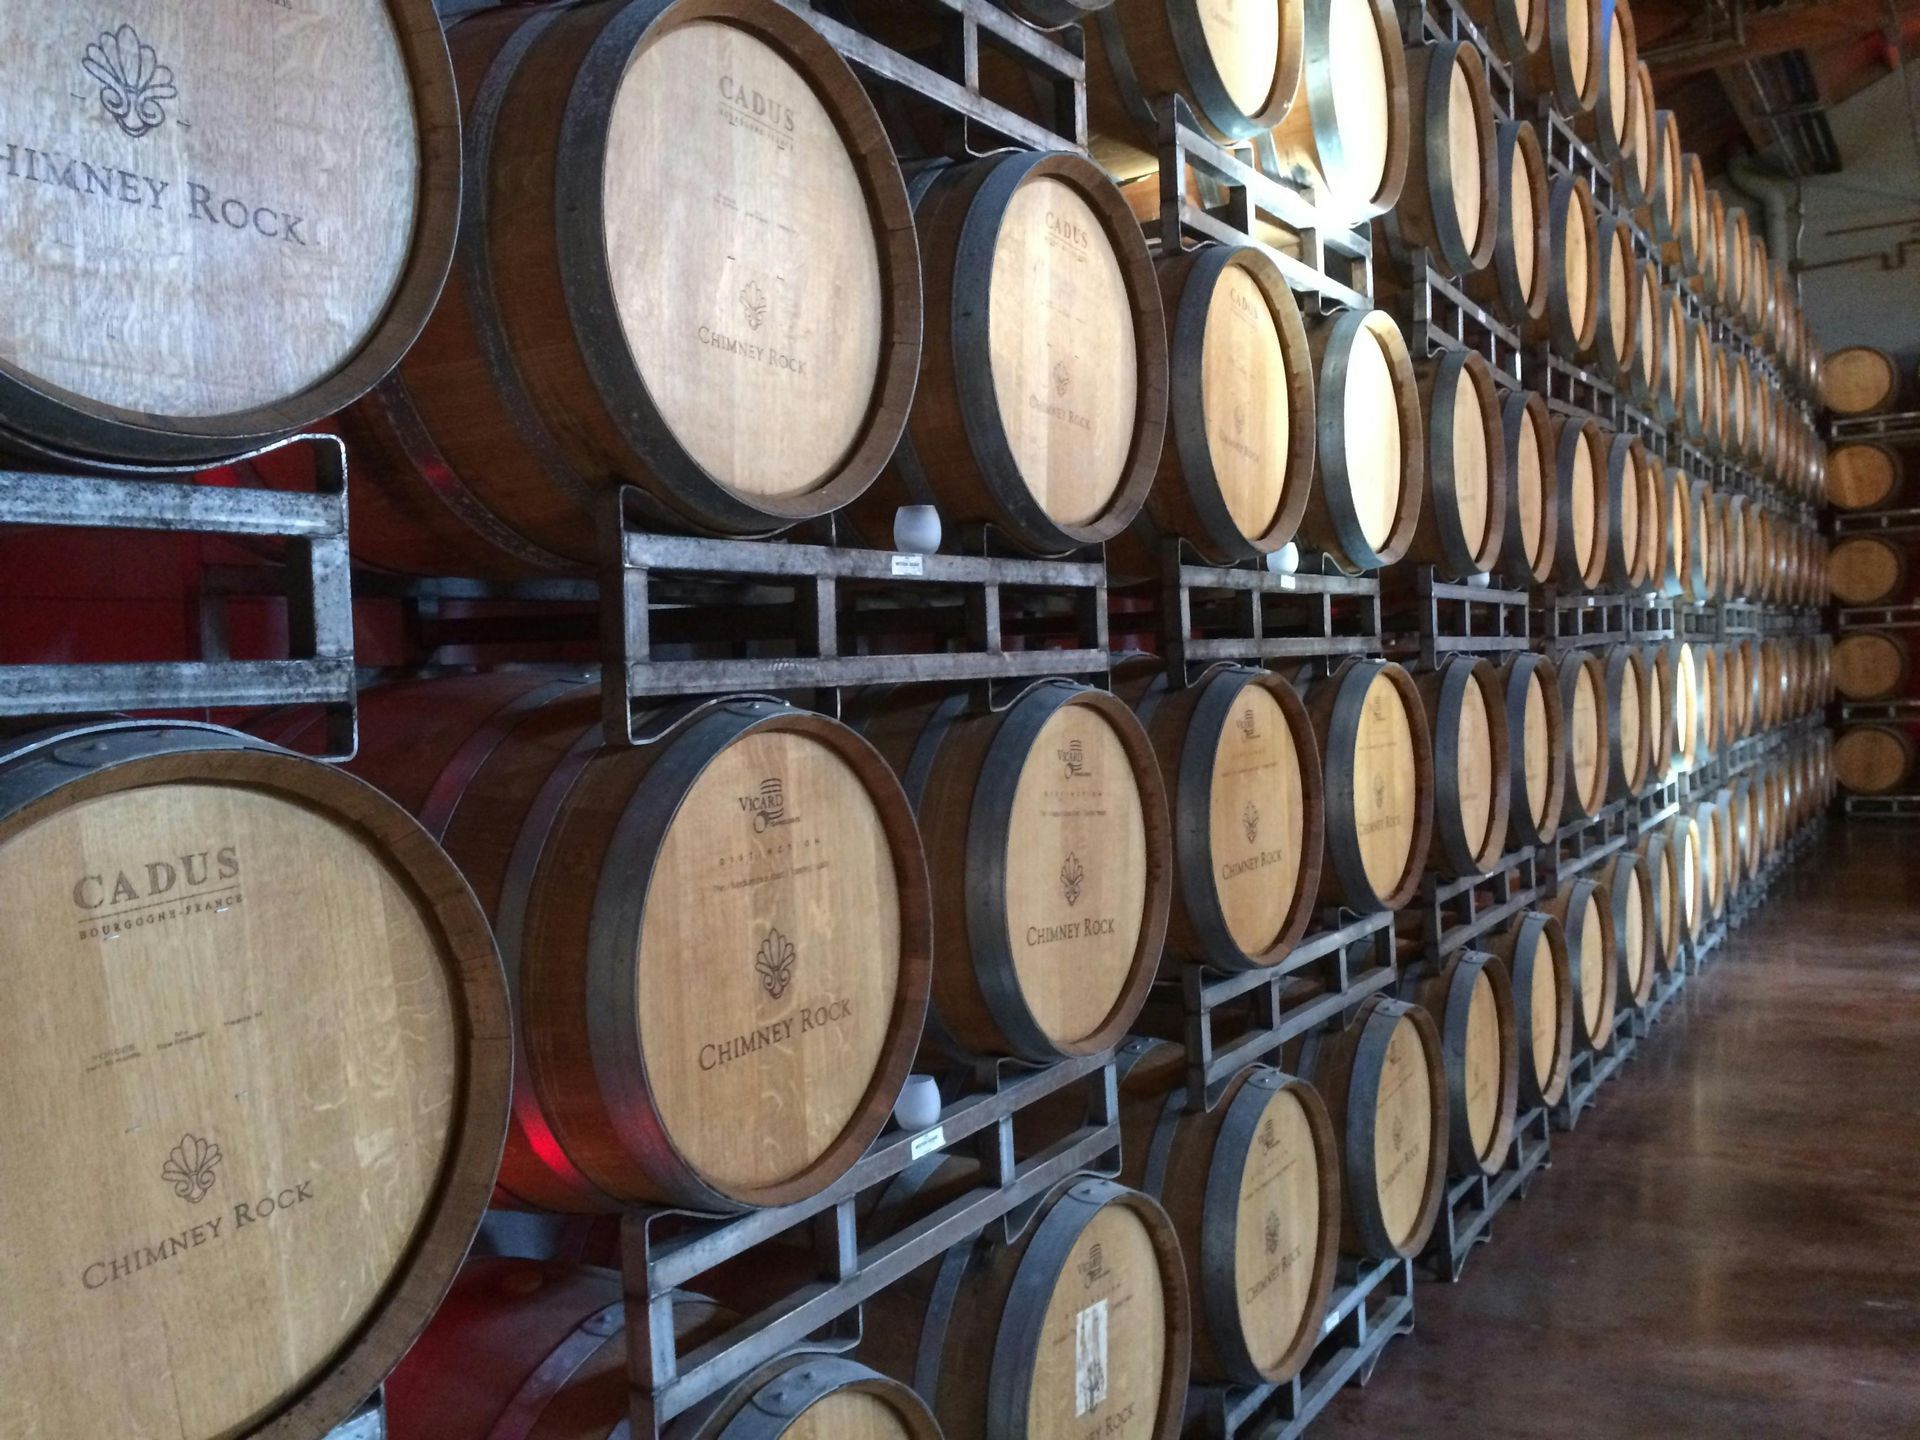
{"x": 911, "y": 565}
{"x": 928, "y": 1141}
{"x": 1090, "y": 1358}
{"x": 1288, "y": 582}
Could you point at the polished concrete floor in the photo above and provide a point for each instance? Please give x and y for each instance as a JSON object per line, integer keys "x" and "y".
{"x": 1729, "y": 1244}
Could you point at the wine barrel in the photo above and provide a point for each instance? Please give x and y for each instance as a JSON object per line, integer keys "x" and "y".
{"x": 1629, "y": 518}
{"x": 1629, "y": 747}
{"x": 1252, "y": 1186}
{"x": 1707, "y": 277}
{"x": 1678, "y": 572}
{"x": 1665, "y": 926}
{"x": 1515, "y": 28}
{"x": 1710, "y": 821}
{"x": 1684, "y": 844}
{"x": 1866, "y": 570}
{"x": 1630, "y": 891}
{"x": 1585, "y": 912}
{"x": 1748, "y": 823}
{"x": 1661, "y": 721}
{"x": 273, "y": 254}
{"x": 1662, "y": 213}
{"x": 772, "y": 383}
{"x": 1536, "y": 749}
{"x": 268, "y": 1020}
{"x": 534, "y": 1350}
{"x": 1616, "y": 330}
{"x": 1534, "y": 950}
{"x": 1464, "y": 514}
{"x": 1235, "y": 473}
{"x": 1874, "y": 759}
{"x": 1696, "y": 404}
{"x": 1514, "y": 283}
{"x": 1243, "y": 782}
{"x": 1385, "y": 1087}
{"x": 1372, "y": 730}
{"x": 1347, "y": 131}
{"x": 1634, "y": 174}
{"x": 1864, "y": 476}
{"x": 1571, "y": 66}
{"x": 1720, "y": 404}
{"x": 1471, "y": 1002}
{"x": 1583, "y": 701}
{"x": 1861, "y": 381}
{"x": 1366, "y": 503}
{"x": 1466, "y": 708}
{"x": 1691, "y": 237}
{"x": 670, "y": 957}
{"x": 1872, "y": 665}
{"x": 1050, "y": 852}
{"x": 1236, "y": 63}
{"x": 1736, "y": 268}
{"x": 1735, "y": 383}
{"x": 1451, "y": 203}
{"x": 1646, "y": 379}
{"x": 1674, "y": 347}
{"x": 1042, "y": 401}
{"x": 1573, "y": 269}
{"x": 1709, "y": 539}
{"x": 1533, "y": 503}
{"x": 1686, "y": 705}
{"x": 1609, "y": 123}
{"x": 996, "y": 1334}
{"x": 1581, "y": 455}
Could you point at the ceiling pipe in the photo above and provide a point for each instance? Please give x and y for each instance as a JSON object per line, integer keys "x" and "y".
{"x": 1775, "y": 196}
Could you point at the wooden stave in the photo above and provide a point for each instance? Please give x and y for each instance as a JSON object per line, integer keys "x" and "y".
{"x": 1521, "y": 298}
{"x": 1183, "y": 726}
{"x": 1626, "y": 875}
{"x": 1448, "y": 997}
{"x": 1165, "y": 1143}
{"x": 954, "y": 453}
{"x": 1570, "y": 204}
{"x": 1333, "y": 705}
{"x": 1359, "y": 1050}
{"x": 959, "y": 1328}
{"x": 1331, "y": 524}
{"x": 1427, "y": 215}
{"x": 1306, "y": 142}
{"x": 45, "y": 770}
{"x": 1855, "y": 737}
{"x": 1443, "y": 693}
{"x": 1571, "y": 435}
{"x": 1568, "y": 901}
{"x": 942, "y": 748}
{"x": 1523, "y": 831}
{"x": 1184, "y": 499}
{"x": 524, "y": 1348}
{"x": 511, "y": 795}
{"x": 1517, "y": 948}
{"x": 1439, "y": 538}
{"x": 43, "y": 423}
{"x": 1572, "y": 666}
{"x": 510, "y": 524}
{"x": 1514, "y": 564}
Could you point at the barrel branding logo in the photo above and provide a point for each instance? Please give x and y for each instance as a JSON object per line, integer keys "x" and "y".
{"x": 1271, "y": 1236}
{"x": 774, "y": 964}
{"x": 134, "y": 85}
{"x": 753, "y": 305}
{"x": 1074, "y": 757}
{"x": 768, "y": 806}
{"x": 747, "y": 108}
{"x": 1249, "y": 725}
{"x": 192, "y": 1167}
{"x": 1093, "y": 1269}
{"x": 1250, "y": 822}
{"x": 155, "y": 892}
{"x": 1073, "y": 879}
{"x": 1068, "y": 231}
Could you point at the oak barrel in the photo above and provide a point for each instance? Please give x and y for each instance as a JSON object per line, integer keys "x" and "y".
{"x": 1051, "y": 856}
{"x": 1660, "y": 211}
{"x": 1365, "y": 504}
{"x": 1238, "y": 463}
{"x": 1634, "y": 172}
{"x": 1252, "y": 1185}
{"x": 1536, "y": 747}
{"x": 1372, "y": 730}
{"x": 1347, "y": 129}
{"x": 1863, "y": 476}
{"x": 1472, "y": 1004}
{"x": 1533, "y": 502}
{"x": 1078, "y": 1326}
{"x": 1635, "y": 937}
{"x": 687, "y": 264}
{"x": 535, "y": 1350}
{"x": 1451, "y": 203}
{"x": 1872, "y": 665}
{"x": 1464, "y": 514}
{"x": 1647, "y": 379}
{"x": 1629, "y": 746}
{"x": 1874, "y": 759}
{"x": 1630, "y": 518}
{"x": 1042, "y": 399}
{"x": 1710, "y": 824}
{"x": 1610, "y": 122}
{"x": 1684, "y": 846}
{"x": 1590, "y": 726}
{"x": 1571, "y": 67}
{"x": 1584, "y": 909}
{"x": 1665, "y": 923}
{"x": 1242, "y": 773}
{"x": 1573, "y": 266}
{"x": 1384, "y": 1082}
{"x": 1582, "y": 453}
{"x": 1534, "y": 951}
{"x": 1616, "y": 330}
{"x": 1866, "y": 570}
{"x": 1861, "y": 381}
{"x": 1514, "y": 281}
{"x": 203, "y": 249}
{"x": 1237, "y": 64}
{"x": 270, "y": 1029}
{"x": 1516, "y": 28}
{"x": 1466, "y": 708}
{"x": 732, "y": 920}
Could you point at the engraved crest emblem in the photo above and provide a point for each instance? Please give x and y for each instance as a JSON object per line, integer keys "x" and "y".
{"x": 1073, "y": 879}
{"x": 192, "y": 1167}
{"x": 1062, "y": 378}
{"x": 1267, "y": 1138}
{"x": 1379, "y": 792}
{"x": 1272, "y": 1234}
{"x": 1094, "y": 1267}
{"x": 133, "y": 83}
{"x": 774, "y": 964}
{"x": 753, "y": 305}
{"x": 1250, "y": 822}
{"x": 1239, "y": 420}
{"x": 1399, "y": 1135}
{"x": 1249, "y": 727}
{"x": 1074, "y": 757}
